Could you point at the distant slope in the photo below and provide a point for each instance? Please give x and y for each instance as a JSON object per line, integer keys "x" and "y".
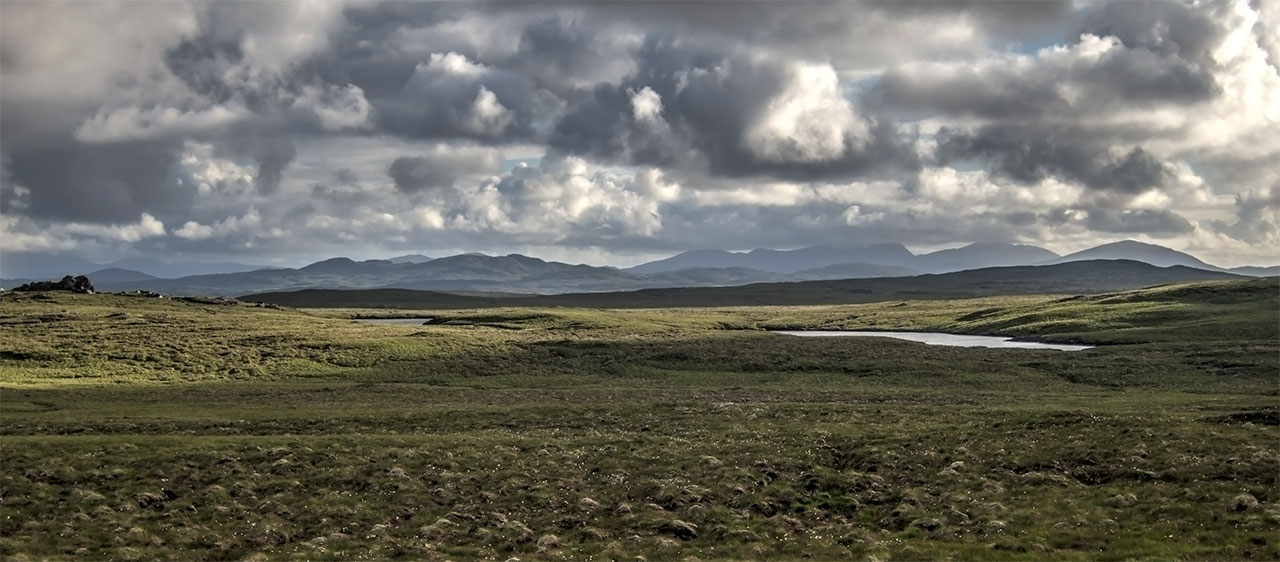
{"x": 410, "y": 258}
{"x": 478, "y": 273}
{"x": 1070, "y": 278}
{"x": 854, "y": 271}
{"x": 780, "y": 261}
{"x": 114, "y": 275}
{"x": 461, "y": 273}
{"x": 973, "y": 256}
{"x": 713, "y": 277}
{"x": 40, "y": 265}
{"x": 690, "y": 260}
{"x": 1238, "y": 310}
{"x": 170, "y": 270}
{"x": 806, "y": 260}
{"x": 381, "y": 298}
{"x": 977, "y": 256}
{"x": 1137, "y": 251}
{"x": 1256, "y": 271}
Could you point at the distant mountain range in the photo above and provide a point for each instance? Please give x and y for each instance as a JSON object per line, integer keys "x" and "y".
{"x": 1074, "y": 278}
{"x": 411, "y": 258}
{"x": 478, "y": 273}
{"x": 37, "y": 265}
{"x": 973, "y": 256}
{"x": 782, "y": 261}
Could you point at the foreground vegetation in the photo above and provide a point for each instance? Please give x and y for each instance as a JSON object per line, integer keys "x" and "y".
{"x": 140, "y": 428}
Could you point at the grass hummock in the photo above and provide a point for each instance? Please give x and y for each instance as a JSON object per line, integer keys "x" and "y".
{"x": 142, "y": 429}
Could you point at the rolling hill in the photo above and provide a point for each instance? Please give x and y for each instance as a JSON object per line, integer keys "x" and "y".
{"x": 780, "y": 261}
{"x": 853, "y": 271}
{"x": 978, "y": 255}
{"x": 1137, "y": 251}
{"x": 1073, "y": 278}
{"x": 40, "y": 266}
{"x": 115, "y": 275}
{"x": 515, "y": 273}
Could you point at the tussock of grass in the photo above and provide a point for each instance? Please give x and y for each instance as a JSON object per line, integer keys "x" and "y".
{"x": 151, "y": 429}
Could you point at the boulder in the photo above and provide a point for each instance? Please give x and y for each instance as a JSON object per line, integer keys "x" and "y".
{"x": 77, "y": 284}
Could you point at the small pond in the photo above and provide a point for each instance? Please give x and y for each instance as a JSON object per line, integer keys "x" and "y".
{"x": 934, "y": 338}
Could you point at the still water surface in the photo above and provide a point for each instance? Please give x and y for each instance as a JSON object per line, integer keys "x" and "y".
{"x": 930, "y": 338}
{"x": 933, "y": 338}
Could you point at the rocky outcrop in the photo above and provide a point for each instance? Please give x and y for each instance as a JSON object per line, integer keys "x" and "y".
{"x": 77, "y": 284}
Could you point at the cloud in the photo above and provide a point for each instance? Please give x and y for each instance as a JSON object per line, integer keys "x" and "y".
{"x": 108, "y": 183}
{"x": 282, "y": 128}
{"x": 487, "y": 117}
{"x": 449, "y": 96}
{"x": 193, "y": 230}
{"x": 1155, "y": 222}
{"x": 441, "y": 167}
{"x": 731, "y": 114}
{"x": 808, "y": 121}
{"x": 141, "y": 124}
{"x": 1030, "y": 155}
{"x": 272, "y": 154}
{"x": 1094, "y": 74}
{"x": 1256, "y": 220}
{"x": 244, "y": 225}
{"x": 646, "y": 106}
{"x": 335, "y": 108}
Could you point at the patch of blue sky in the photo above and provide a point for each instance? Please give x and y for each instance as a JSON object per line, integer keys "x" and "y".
{"x": 509, "y": 164}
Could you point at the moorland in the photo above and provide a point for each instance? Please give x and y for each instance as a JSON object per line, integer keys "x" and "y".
{"x": 138, "y": 428}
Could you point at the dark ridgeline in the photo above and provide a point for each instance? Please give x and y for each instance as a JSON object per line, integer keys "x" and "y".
{"x": 524, "y": 275}
{"x": 1075, "y": 278}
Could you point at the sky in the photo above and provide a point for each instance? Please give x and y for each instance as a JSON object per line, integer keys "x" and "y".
{"x": 613, "y": 133}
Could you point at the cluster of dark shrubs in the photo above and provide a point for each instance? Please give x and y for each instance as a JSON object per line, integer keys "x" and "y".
{"x": 77, "y": 284}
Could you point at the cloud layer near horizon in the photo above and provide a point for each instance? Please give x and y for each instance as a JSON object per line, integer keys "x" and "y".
{"x": 281, "y": 130}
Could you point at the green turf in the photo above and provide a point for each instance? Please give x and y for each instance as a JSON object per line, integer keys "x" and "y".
{"x": 135, "y": 428}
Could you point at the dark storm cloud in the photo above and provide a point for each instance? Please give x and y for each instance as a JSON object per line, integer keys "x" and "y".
{"x": 1171, "y": 29}
{"x": 111, "y": 183}
{"x": 709, "y": 101}
{"x": 1156, "y": 222}
{"x": 1067, "y": 84}
{"x": 452, "y": 97}
{"x": 200, "y": 62}
{"x": 1256, "y": 216}
{"x": 561, "y": 51}
{"x": 1030, "y": 155}
{"x": 440, "y": 169}
{"x": 1130, "y": 78}
{"x": 272, "y": 155}
{"x": 343, "y": 189}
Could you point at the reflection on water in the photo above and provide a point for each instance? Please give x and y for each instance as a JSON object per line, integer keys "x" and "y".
{"x": 933, "y": 338}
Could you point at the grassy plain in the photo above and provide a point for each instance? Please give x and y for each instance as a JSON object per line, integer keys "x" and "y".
{"x": 135, "y": 428}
